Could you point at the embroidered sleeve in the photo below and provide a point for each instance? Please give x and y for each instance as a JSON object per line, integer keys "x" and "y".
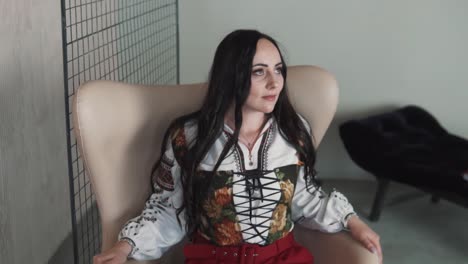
{"x": 314, "y": 209}
{"x": 153, "y": 232}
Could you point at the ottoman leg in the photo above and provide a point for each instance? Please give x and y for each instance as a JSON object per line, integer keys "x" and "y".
{"x": 382, "y": 188}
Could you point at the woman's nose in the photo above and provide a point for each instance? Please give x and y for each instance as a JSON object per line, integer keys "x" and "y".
{"x": 273, "y": 81}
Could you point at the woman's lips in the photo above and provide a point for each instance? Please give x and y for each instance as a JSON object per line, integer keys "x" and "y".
{"x": 269, "y": 97}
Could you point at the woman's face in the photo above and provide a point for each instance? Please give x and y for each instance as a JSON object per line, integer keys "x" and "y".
{"x": 266, "y": 79}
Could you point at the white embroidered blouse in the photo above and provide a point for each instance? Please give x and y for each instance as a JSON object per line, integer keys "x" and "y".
{"x": 256, "y": 196}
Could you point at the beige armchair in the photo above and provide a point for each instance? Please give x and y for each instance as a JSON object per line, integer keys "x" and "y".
{"x": 120, "y": 127}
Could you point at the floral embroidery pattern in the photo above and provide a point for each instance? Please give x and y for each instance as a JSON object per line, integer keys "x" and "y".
{"x": 162, "y": 177}
{"x": 179, "y": 144}
{"x": 180, "y": 139}
{"x": 227, "y": 233}
{"x": 281, "y": 221}
{"x": 223, "y": 196}
{"x": 219, "y": 221}
{"x": 212, "y": 208}
{"x": 287, "y": 188}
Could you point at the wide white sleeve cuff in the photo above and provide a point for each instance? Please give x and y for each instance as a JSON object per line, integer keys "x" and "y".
{"x": 154, "y": 231}
{"x": 317, "y": 210}
{"x": 157, "y": 228}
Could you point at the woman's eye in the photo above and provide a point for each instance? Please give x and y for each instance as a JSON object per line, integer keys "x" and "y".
{"x": 258, "y": 72}
{"x": 279, "y": 70}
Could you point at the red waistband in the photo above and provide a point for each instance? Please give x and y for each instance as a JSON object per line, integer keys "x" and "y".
{"x": 245, "y": 252}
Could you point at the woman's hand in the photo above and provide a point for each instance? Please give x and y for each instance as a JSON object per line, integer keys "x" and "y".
{"x": 115, "y": 255}
{"x": 364, "y": 234}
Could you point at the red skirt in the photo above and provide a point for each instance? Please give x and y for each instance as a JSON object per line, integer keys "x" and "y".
{"x": 285, "y": 250}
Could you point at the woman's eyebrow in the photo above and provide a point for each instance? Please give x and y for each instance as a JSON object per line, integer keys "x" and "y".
{"x": 264, "y": 65}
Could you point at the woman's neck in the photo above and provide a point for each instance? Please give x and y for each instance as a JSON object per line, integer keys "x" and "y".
{"x": 252, "y": 123}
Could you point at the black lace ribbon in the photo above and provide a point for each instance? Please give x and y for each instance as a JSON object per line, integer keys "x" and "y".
{"x": 253, "y": 183}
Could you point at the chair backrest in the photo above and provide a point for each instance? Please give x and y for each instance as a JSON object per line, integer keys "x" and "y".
{"x": 119, "y": 128}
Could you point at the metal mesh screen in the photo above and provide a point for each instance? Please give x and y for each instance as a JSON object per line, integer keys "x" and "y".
{"x": 134, "y": 41}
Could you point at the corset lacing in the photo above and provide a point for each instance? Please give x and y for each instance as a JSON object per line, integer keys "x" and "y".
{"x": 254, "y": 189}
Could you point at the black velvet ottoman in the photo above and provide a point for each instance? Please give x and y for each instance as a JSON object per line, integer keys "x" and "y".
{"x": 409, "y": 146}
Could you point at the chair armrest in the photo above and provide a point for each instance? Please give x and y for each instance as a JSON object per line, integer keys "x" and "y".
{"x": 333, "y": 248}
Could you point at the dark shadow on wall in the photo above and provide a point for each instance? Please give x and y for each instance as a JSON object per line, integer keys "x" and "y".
{"x": 87, "y": 230}
{"x": 63, "y": 254}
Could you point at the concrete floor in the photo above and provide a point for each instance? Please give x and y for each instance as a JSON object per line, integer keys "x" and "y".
{"x": 412, "y": 229}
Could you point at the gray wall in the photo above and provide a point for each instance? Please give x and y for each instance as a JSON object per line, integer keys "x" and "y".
{"x": 383, "y": 54}
{"x": 34, "y": 195}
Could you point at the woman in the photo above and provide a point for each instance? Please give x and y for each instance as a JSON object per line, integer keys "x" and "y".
{"x": 237, "y": 175}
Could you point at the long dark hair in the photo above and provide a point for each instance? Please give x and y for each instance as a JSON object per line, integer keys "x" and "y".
{"x": 229, "y": 84}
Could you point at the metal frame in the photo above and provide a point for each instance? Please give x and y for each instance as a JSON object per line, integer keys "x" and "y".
{"x": 134, "y": 41}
